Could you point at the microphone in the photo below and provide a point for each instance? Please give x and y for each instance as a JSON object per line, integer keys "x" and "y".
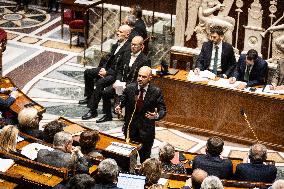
{"x": 131, "y": 118}
{"x": 242, "y": 111}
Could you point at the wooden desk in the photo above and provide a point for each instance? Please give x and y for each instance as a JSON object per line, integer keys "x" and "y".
{"x": 31, "y": 173}
{"x": 208, "y": 110}
{"x": 125, "y": 162}
{"x": 22, "y": 101}
{"x": 69, "y": 4}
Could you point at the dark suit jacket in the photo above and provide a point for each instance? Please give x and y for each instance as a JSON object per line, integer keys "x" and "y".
{"x": 129, "y": 74}
{"x": 228, "y": 60}
{"x": 111, "y": 61}
{"x": 140, "y": 27}
{"x": 142, "y": 129}
{"x": 214, "y": 165}
{"x": 255, "y": 172}
{"x": 58, "y": 158}
{"x": 257, "y": 74}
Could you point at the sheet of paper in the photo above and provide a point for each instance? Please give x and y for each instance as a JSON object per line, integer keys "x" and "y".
{"x": 86, "y": 2}
{"x": 119, "y": 87}
{"x": 224, "y": 83}
{"x": 120, "y": 148}
{"x": 5, "y": 164}
{"x": 31, "y": 150}
{"x": 162, "y": 181}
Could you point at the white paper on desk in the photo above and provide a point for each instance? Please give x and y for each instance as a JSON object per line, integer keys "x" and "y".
{"x": 266, "y": 91}
{"x": 31, "y": 150}
{"x": 272, "y": 92}
{"x": 192, "y": 77}
{"x": 120, "y": 148}
{"x": 224, "y": 83}
{"x": 19, "y": 139}
{"x": 207, "y": 74}
{"x": 162, "y": 181}
{"x": 5, "y": 164}
{"x": 86, "y": 2}
{"x": 119, "y": 87}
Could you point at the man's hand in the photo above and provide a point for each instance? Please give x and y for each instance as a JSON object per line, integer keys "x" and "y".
{"x": 152, "y": 115}
{"x": 196, "y": 71}
{"x": 272, "y": 86}
{"x": 102, "y": 72}
{"x": 14, "y": 94}
{"x": 242, "y": 85}
{"x": 118, "y": 110}
{"x": 232, "y": 80}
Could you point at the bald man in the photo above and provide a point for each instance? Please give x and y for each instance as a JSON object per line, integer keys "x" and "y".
{"x": 104, "y": 75}
{"x": 144, "y": 105}
{"x": 131, "y": 63}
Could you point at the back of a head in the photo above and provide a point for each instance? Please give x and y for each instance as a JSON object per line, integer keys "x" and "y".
{"x": 27, "y": 118}
{"x": 166, "y": 153}
{"x": 137, "y": 11}
{"x": 197, "y": 177}
{"x": 279, "y": 184}
{"x": 130, "y": 20}
{"x": 51, "y": 128}
{"x": 217, "y": 29}
{"x": 252, "y": 54}
{"x": 81, "y": 181}
{"x": 152, "y": 169}
{"x": 61, "y": 139}
{"x": 214, "y": 146}
{"x": 107, "y": 172}
{"x": 212, "y": 182}
{"x": 8, "y": 138}
{"x": 88, "y": 139}
{"x": 257, "y": 153}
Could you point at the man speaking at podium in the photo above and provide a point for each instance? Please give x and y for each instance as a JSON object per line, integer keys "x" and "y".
{"x": 144, "y": 105}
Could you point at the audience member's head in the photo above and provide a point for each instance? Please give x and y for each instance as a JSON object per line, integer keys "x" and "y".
{"x": 88, "y": 140}
{"x": 51, "y": 128}
{"x": 251, "y": 57}
{"x": 279, "y": 184}
{"x": 166, "y": 153}
{"x": 137, "y": 44}
{"x": 157, "y": 186}
{"x": 107, "y": 172}
{"x": 63, "y": 141}
{"x": 197, "y": 177}
{"x": 212, "y": 182}
{"x": 214, "y": 146}
{"x": 29, "y": 118}
{"x": 8, "y": 138}
{"x": 123, "y": 33}
{"x": 81, "y": 181}
{"x": 152, "y": 169}
{"x": 257, "y": 153}
{"x": 136, "y": 10}
{"x": 130, "y": 20}
{"x": 216, "y": 34}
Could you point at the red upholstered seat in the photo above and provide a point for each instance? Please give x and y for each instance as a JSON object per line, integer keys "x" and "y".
{"x": 77, "y": 24}
{"x": 3, "y": 39}
{"x": 69, "y": 15}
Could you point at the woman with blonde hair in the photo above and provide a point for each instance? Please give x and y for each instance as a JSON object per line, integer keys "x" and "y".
{"x": 8, "y": 138}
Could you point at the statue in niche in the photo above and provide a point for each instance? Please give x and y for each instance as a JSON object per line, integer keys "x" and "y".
{"x": 207, "y": 19}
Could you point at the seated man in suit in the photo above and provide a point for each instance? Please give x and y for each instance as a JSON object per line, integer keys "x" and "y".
{"x": 107, "y": 174}
{"x": 128, "y": 71}
{"x": 251, "y": 69}
{"x": 104, "y": 75}
{"x": 256, "y": 171}
{"x": 64, "y": 154}
{"x": 277, "y": 82}
{"x": 216, "y": 55}
{"x": 212, "y": 163}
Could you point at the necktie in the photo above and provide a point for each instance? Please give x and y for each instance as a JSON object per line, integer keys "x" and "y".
{"x": 215, "y": 60}
{"x": 246, "y": 76}
{"x": 140, "y": 101}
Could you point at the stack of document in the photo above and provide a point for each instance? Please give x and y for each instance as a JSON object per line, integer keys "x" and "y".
{"x": 86, "y": 2}
{"x": 120, "y": 148}
{"x": 31, "y": 150}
